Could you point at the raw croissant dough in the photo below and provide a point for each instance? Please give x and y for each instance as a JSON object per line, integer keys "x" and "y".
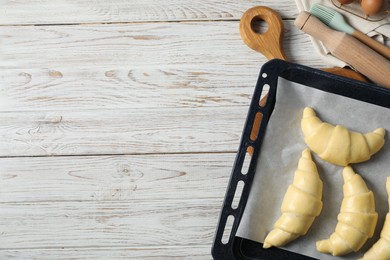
{"x": 356, "y": 220}
{"x": 338, "y": 145}
{"x": 381, "y": 249}
{"x": 301, "y": 204}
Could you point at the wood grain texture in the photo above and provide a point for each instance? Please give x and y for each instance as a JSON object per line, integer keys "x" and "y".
{"x": 125, "y": 87}
{"x": 145, "y": 253}
{"x": 133, "y": 66}
{"x": 114, "y": 178}
{"x": 166, "y": 82}
{"x": 103, "y": 11}
{"x": 139, "y": 223}
{"x": 121, "y": 131}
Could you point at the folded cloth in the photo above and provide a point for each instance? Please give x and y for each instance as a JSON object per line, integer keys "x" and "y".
{"x": 377, "y": 27}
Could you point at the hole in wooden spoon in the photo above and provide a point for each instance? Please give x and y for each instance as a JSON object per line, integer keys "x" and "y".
{"x": 259, "y": 25}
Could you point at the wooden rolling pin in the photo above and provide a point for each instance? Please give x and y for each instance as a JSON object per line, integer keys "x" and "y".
{"x": 348, "y": 49}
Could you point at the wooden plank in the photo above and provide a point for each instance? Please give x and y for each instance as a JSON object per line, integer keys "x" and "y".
{"x": 151, "y": 45}
{"x": 101, "y": 11}
{"x": 145, "y": 253}
{"x": 134, "y": 65}
{"x": 163, "y": 222}
{"x": 114, "y": 178}
{"x": 99, "y": 88}
{"x": 121, "y": 131}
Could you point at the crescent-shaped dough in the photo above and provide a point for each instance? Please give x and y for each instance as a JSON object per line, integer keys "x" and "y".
{"x": 301, "y": 204}
{"x": 381, "y": 249}
{"x": 336, "y": 144}
{"x": 357, "y": 218}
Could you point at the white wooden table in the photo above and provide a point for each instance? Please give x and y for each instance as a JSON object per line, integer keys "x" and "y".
{"x": 119, "y": 123}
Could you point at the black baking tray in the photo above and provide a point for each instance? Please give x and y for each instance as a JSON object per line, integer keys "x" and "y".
{"x": 240, "y": 248}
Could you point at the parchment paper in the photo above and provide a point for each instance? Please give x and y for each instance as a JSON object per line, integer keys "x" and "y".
{"x": 282, "y": 147}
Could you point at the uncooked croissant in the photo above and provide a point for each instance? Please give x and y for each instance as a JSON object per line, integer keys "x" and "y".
{"x": 338, "y": 145}
{"x": 301, "y": 204}
{"x": 356, "y": 220}
{"x": 381, "y": 249}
